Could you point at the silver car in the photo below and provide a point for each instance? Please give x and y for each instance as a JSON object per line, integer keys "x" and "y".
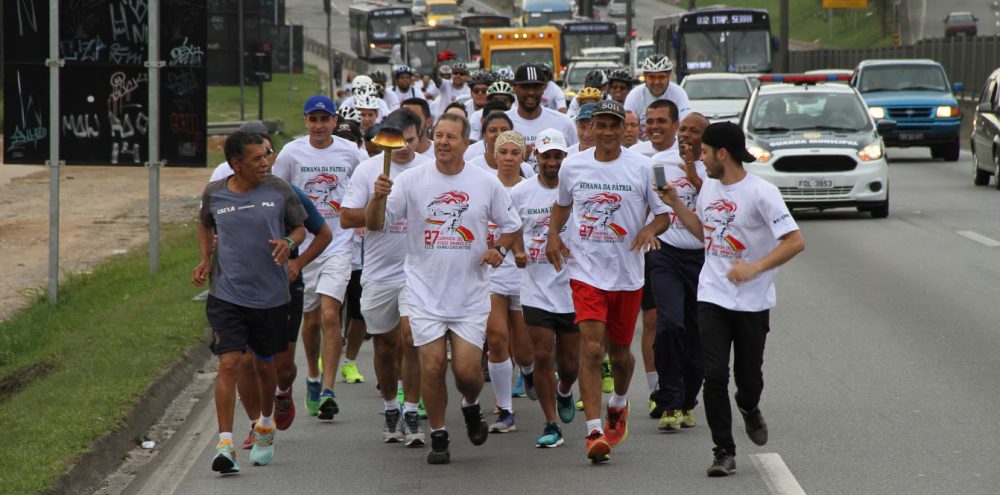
{"x": 719, "y": 96}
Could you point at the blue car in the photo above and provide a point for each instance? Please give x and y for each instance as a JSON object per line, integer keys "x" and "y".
{"x": 916, "y": 95}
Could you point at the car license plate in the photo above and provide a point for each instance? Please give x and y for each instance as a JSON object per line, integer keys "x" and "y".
{"x": 816, "y": 183}
{"x": 911, "y": 136}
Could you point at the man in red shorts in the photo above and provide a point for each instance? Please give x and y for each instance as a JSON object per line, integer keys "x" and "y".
{"x": 608, "y": 190}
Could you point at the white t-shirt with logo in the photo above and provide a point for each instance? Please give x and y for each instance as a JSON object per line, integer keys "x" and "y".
{"x": 446, "y": 237}
{"x": 324, "y": 175}
{"x": 480, "y": 161}
{"x": 639, "y": 99}
{"x": 542, "y": 286}
{"x": 741, "y": 221}
{"x": 546, "y": 120}
{"x": 673, "y": 169}
{"x": 506, "y": 278}
{"x": 609, "y": 201}
{"x": 553, "y": 97}
{"x": 646, "y": 148}
{"x": 385, "y": 250}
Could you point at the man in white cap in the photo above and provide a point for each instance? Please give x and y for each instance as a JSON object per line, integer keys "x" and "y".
{"x": 656, "y": 70}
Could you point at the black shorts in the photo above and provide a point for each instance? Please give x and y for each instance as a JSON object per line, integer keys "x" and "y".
{"x": 353, "y": 297}
{"x": 560, "y": 322}
{"x": 647, "y": 289}
{"x": 235, "y": 327}
{"x": 297, "y": 291}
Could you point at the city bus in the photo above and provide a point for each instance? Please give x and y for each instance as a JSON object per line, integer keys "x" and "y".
{"x": 510, "y": 47}
{"x": 716, "y": 40}
{"x": 421, "y": 46}
{"x": 577, "y": 34}
{"x": 475, "y": 22}
{"x": 535, "y": 13}
{"x": 441, "y": 12}
{"x": 375, "y": 29}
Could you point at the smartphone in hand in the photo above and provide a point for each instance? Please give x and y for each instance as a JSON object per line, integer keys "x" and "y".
{"x": 659, "y": 176}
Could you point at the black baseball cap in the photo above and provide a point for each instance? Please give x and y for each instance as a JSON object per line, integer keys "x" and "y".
{"x": 609, "y": 107}
{"x": 529, "y": 74}
{"x": 348, "y": 130}
{"x": 728, "y": 136}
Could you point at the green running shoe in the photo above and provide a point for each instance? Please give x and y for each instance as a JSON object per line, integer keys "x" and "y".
{"x": 225, "y": 458}
{"x": 579, "y": 405}
{"x": 312, "y": 396}
{"x": 688, "y": 421}
{"x": 671, "y": 420}
{"x": 420, "y": 409}
{"x": 328, "y": 407}
{"x": 551, "y": 437}
{"x": 607, "y": 377}
{"x": 399, "y": 396}
{"x": 350, "y": 373}
{"x": 566, "y": 408}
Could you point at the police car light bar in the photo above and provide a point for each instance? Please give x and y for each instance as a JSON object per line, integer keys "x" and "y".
{"x": 803, "y": 78}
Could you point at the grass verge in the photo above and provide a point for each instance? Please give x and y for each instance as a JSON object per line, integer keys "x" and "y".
{"x": 113, "y": 330}
{"x": 808, "y": 22}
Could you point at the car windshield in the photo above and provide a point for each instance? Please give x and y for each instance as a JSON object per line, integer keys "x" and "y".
{"x": 903, "y": 78}
{"x": 809, "y": 111}
{"x": 644, "y": 51}
{"x": 716, "y": 89}
{"x": 960, "y": 19}
{"x": 442, "y": 9}
{"x": 514, "y": 58}
{"x": 574, "y": 43}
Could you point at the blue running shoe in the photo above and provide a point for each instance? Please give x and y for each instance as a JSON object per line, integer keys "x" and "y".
{"x": 551, "y": 437}
{"x": 312, "y": 396}
{"x": 327, "y": 405}
{"x": 263, "y": 446}
{"x": 519, "y": 387}
{"x": 566, "y": 408}
{"x": 529, "y": 385}
{"x": 225, "y": 458}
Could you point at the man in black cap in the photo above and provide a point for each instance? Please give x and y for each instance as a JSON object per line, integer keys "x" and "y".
{"x": 748, "y": 234}
{"x": 530, "y": 117}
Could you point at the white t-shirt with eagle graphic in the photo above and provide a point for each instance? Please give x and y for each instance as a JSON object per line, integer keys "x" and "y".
{"x": 446, "y": 236}
{"x": 609, "y": 201}
{"x": 741, "y": 221}
{"x": 673, "y": 169}
{"x": 324, "y": 175}
{"x": 541, "y": 286}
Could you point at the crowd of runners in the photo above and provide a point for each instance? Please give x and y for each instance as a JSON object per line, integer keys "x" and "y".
{"x": 509, "y": 241}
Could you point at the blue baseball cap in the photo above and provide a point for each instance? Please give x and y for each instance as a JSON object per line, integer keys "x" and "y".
{"x": 320, "y": 102}
{"x": 586, "y": 112}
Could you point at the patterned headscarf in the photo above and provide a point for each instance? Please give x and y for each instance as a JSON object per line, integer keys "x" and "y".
{"x": 509, "y": 137}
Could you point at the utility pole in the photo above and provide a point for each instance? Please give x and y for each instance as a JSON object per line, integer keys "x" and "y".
{"x": 329, "y": 46}
{"x": 242, "y": 56}
{"x": 629, "y": 12}
{"x": 691, "y": 4}
{"x": 785, "y": 55}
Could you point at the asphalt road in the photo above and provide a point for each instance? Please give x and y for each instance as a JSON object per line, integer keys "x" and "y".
{"x": 933, "y": 12}
{"x": 880, "y": 378}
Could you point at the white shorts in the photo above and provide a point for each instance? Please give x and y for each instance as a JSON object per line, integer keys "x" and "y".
{"x": 513, "y": 302}
{"x": 428, "y": 328}
{"x": 328, "y": 276}
{"x": 382, "y": 305}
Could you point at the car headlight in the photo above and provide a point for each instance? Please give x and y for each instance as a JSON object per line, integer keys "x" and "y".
{"x": 871, "y": 152}
{"x": 947, "y": 112}
{"x": 432, "y": 22}
{"x": 763, "y": 156}
{"x": 877, "y": 113}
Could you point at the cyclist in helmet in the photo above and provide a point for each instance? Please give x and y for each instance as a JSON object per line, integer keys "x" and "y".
{"x": 589, "y": 95}
{"x": 501, "y": 90}
{"x": 381, "y": 83}
{"x": 453, "y": 89}
{"x": 656, "y": 69}
{"x": 368, "y": 107}
{"x": 403, "y": 87}
{"x": 620, "y": 82}
{"x": 349, "y": 114}
{"x": 553, "y": 97}
{"x": 363, "y": 85}
{"x": 479, "y": 83}
{"x": 595, "y": 79}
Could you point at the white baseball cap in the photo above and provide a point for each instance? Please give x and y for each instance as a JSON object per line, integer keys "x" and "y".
{"x": 550, "y": 139}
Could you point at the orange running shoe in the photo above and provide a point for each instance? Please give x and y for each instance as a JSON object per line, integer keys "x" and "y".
{"x": 616, "y": 424}
{"x": 598, "y": 448}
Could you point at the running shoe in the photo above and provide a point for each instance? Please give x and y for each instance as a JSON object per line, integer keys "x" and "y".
{"x": 551, "y": 437}
{"x": 755, "y": 426}
{"x": 724, "y": 463}
{"x": 529, "y": 385}
{"x": 414, "y": 434}
{"x": 327, "y": 405}
{"x": 655, "y": 411}
{"x": 249, "y": 440}
{"x": 598, "y": 448}
{"x": 475, "y": 425}
{"x": 391, "y": 432}
{"x": 225, "y": 458}
{"x": 350, "y": 373}
{"x": 263, "y": 446}
{"x": 421, "y": 410}
{"x": 579, "y": 405}
{"x": 313, "y": 390}
{"x": 616, "y": 424}
{"x": 439, "y": 448}
{"x": 671, "y": 420}
{"x": 504, "y": 423}
{"x": 688, "y": 421}
{"x": 518, "y": 390}
{"x": 399, "y": 396}
{"x": 566, "y": 408}
{"x": 284, "y": 410}
{"x": 607, "y": 377}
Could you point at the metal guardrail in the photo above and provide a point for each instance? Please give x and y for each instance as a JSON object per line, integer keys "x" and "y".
{"x": 967, "y": 60}
{"x": 350, "y": 62}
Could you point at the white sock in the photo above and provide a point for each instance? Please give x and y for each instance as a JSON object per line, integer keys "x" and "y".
{"x": 466, "y": 404}
{"x": 399, "y": 384}
{"x": 617, "y": 401}
{"x": 391, "y": 404}
{"x": 437, "y": 429}
{"x": 652, "y": 380}
{"x": 501, "y": 376}
{"x": 561, "y": 394}
{"x": 226, "y": 435}
{"x": 347, "y": 361}
{"x": 410, "y": 407}
{"x": 280, "y": 391}
{"x": 312, "y": 380}
{"x": 529, "y": 369}
{"x": 266, "y": 421}
{"x": 594, "y": 424}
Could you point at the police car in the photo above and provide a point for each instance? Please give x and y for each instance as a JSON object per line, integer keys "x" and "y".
{"x": 816, "y": 142}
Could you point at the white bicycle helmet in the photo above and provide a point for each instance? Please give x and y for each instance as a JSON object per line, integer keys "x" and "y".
{"x": 364, "y": 89}
{"x": 361, "y": 80}
{"x": 500, "y": 88}
{"x": 656, "y": 63}
{"x": 504, "y": 74}
{"x": 366, "y": 102}
{"x": 349, "y": 113}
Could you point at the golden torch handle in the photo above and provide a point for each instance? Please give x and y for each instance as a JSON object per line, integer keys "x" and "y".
{"x": 387, "y": 154}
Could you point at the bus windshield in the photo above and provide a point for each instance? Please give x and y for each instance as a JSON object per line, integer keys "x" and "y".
{"x": 514, "y": 57}
{"x": 442, "y": 9}
{"x": 574, "y": 43}
{"x": 387, "y": 28}
{"x": 727, "y": 51}
{"x": 422, "y": 52}
{"x": 534, "y": 19}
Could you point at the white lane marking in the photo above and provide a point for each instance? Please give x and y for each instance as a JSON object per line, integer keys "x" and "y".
{"x": 174, "y": 468}
{"x": 986, "y": 241}
{"x": 777, "y": 476}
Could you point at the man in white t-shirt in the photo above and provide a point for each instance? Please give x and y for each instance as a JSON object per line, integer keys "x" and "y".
{"x": 530, "y": 117}
{"x": 608, "y": 190}
{"x": 422, "y": 108}
{"x": 546, "y": 298}
{"x": 452, "y": 89}
{"x": 748, "y": 234}
{"x": 672, "y": 280}
{"x": 661, "y": 129}
{"x": 321, "y": 164}
{"x": 403, "y": 87}
{"x": 553, "y": 97}
{"x": 383, "y": 300}
{"x": 656, "y": 69}
{"x": 447, "y": 207}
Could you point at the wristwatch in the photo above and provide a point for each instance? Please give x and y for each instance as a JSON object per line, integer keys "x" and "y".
{"x": 501, "y": 250}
